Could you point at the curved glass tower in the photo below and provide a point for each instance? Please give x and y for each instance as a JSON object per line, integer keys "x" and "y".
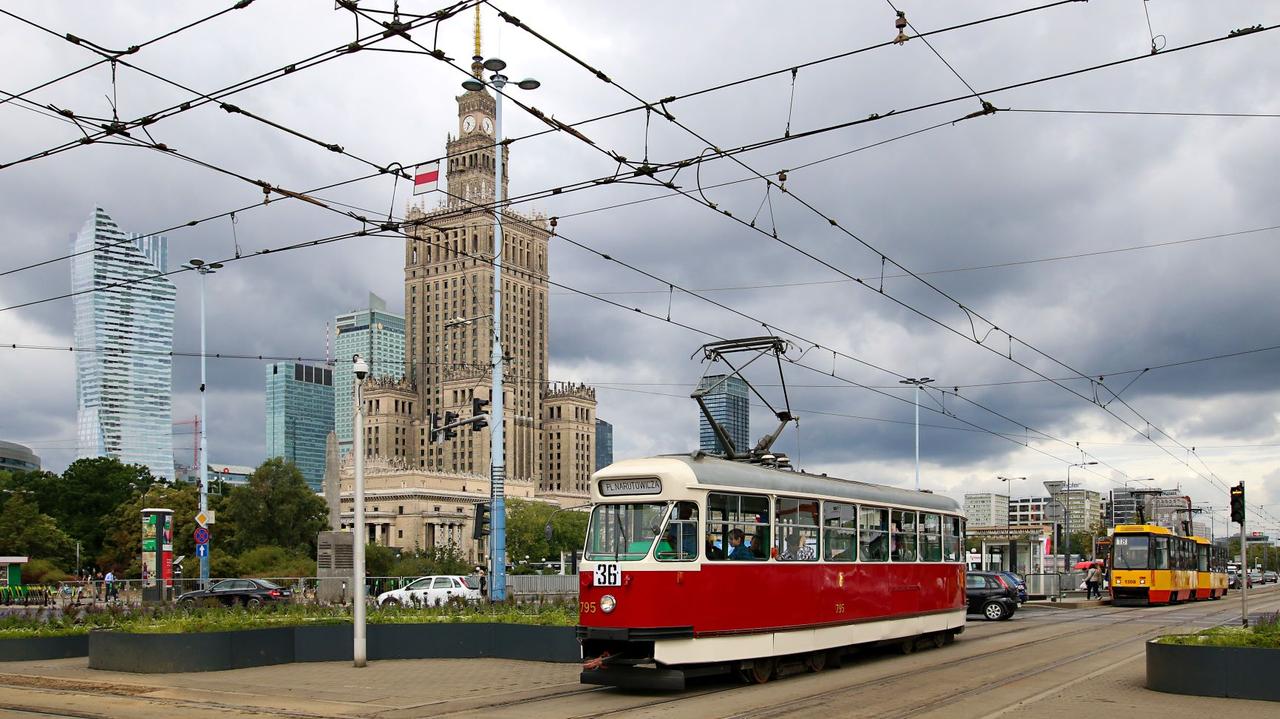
{"x": 124, "y": 330}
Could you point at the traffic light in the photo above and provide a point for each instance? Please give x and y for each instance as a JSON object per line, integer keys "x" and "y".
{"x": 477, "y": 409}
{"x": 447, "y": 431}
{"x": 480, "y": 528}
{"x": 435, "y": 428}
{"x": 1237, "y": 503}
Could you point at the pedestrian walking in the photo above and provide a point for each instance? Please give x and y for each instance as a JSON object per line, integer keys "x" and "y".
{"x": 484, "y": 583}
{"x": 1092, "y": 580}
{"x": 110, "y": 582}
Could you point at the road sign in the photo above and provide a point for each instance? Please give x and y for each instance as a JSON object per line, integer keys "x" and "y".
{"x": 204, "y": 518}
{"x": 201, "y": 535}
{"x": 202, "y": 550}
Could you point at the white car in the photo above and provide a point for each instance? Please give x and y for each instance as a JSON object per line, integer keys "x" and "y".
{"x": 432, "y": 591}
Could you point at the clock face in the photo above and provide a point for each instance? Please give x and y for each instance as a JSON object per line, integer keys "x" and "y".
{"x": 469, "y": 123}
{"x": 488, "y": 126}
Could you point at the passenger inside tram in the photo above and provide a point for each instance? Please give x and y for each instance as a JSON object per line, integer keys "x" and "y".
{"x": 738, "y": 550}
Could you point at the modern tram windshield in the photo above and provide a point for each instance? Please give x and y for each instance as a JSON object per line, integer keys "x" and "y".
{"x": 1131, "y": 552}
{"x": 624, "y": 532}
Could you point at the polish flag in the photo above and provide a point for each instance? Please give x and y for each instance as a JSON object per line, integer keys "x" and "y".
{"x": 426, "y": 178}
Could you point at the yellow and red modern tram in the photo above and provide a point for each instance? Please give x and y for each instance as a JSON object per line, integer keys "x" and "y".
{"x": 694, "y": 564}
{"x": 1152, "y": 565}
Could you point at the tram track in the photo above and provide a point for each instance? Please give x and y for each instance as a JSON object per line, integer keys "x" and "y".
{"x": 818, "y": 700}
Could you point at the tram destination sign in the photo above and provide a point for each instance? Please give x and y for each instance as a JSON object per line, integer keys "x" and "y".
{"x": 616, "y": 487}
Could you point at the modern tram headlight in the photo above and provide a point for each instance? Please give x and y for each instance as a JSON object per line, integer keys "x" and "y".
{"x": 607, "y": 603}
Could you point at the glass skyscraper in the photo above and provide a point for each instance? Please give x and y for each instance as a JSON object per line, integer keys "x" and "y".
{"x": 728, "y": 404}
{"x": 299, "y": 406}
{"x": 378, "y": 337}
{"x": 124, "y": 331}
{"x": 604, "y": 444}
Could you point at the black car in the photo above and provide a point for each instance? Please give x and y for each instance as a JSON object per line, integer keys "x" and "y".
{"x": 235, "y": 592}
{"x": 991, "y": 594}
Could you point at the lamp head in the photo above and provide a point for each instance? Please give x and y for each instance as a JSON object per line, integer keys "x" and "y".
{"x": 195, "y": 262}
{"x": 493, "y": 64}
{"x": 528, "y": 84}
{"x": 472, "y": 85}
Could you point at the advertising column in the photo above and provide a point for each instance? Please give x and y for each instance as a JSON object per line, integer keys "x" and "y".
{"x": 157, "y": 554}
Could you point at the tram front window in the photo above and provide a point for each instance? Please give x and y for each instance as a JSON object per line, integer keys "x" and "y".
{"x": 624, "y": 532}
{"x": 1131, "y": 552}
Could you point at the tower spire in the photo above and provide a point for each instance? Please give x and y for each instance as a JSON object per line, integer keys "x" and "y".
{"x": 476, "y": 67}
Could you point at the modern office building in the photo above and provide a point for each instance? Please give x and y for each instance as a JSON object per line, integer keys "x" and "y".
{"x": 1028, "y": 511}
{"x": 18, "y": 458}
{"x": 986, "y": 509}
{"x": 604, "y": 444}
{"x": 299, "y": 404}
{"x": 378, "y": 337}
{"x": 1084, "y": 506}
{"x": 727, "y": 401}
{"x": 124, "y": 334}
{"x": 1125, "y": 503}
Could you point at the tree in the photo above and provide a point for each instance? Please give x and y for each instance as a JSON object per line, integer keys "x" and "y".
{"x": 526, "y": 530}
{"x": 84, "y": 499}
{"x": 25, "y": 531}
{"x": 276, "y": 508}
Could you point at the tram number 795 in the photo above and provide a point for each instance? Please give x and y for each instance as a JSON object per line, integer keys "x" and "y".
{"x": 608, "y": 574}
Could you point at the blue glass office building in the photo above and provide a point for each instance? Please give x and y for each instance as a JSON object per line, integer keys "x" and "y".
{"x": 604, "y": 444}
{"x": 378, "y": 337}
{"x": 728, "y": 404}
{"x": 299, "y": 406}
{"x": 124, "y": 331}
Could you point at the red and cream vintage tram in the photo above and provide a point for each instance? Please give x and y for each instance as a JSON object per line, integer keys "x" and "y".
{"x": 694, "y": 565}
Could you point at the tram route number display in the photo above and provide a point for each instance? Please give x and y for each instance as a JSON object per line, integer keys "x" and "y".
{"x": 608, "y": 574}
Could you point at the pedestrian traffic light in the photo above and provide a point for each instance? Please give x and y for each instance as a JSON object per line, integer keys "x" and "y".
{"x": 1237, "y": 503}
{"x": 480, "y": 528}
{"x": 447, "y": 431}
{"x": 477, "y": 410}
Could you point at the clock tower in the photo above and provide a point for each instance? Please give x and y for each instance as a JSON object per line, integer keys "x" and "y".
{"x": 471, "y": 164}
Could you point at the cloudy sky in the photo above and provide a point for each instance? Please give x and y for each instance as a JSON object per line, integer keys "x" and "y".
{"x": 991, "y": 207}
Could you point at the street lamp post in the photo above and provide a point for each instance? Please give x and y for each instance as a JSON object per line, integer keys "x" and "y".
{"x": 361, "y": 370}
{"x": 1008, "y": 539}
{"x": 205, "y": 269}
{"x": 917, "y": 382}
{"x": 497, "y": 447}
{"x": 1066, "y": 517}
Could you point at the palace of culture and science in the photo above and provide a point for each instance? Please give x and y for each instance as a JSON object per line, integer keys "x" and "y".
{"x": 421, "y": 494}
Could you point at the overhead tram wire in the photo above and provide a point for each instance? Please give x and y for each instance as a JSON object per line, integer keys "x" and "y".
{"x": 112, "y": 54}
{"x": 987, "y": 109}
{"x": 262, "y": 78}
{"x": 562, "y": 125}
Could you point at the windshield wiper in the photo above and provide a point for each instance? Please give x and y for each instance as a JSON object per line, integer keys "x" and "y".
{"x": 623, "y": 531}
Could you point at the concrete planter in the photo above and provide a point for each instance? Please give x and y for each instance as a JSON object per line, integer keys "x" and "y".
{"x": 1237, "y": 672}
{"x": 215, "y": 651}
{"x": 32, "y": 648}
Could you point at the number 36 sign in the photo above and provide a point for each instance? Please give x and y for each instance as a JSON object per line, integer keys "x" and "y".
{"x": 608, "y": 574}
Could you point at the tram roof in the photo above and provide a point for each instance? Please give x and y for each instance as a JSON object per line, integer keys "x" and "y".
{"x": 714, "y": 471}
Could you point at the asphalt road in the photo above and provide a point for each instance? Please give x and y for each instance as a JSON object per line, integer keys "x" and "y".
{"x": 1043, "y": 662}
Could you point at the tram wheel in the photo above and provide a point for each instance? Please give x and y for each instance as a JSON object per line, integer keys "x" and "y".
{"x": 758, "y": 671}
{"x": 908, "y": 645}
{"x": 939, "y": 639}
{"x": 815, "y": 662}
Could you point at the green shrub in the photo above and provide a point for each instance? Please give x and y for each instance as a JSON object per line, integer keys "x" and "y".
{"x": 1265, "y": 633}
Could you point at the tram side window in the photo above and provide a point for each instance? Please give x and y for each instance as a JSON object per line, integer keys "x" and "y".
{"x": 903, "y": 537}
{"x": 1160, "y": 554}
{"x": 797, "y": 538}
{"x": 954, "y": 539}
{"x": 679, "y": 539}
{"x": 737, "y": 527}
{"x": 873, "y": 534}
{"x": 930, "y": 538}
{"x": 840, "y": 532}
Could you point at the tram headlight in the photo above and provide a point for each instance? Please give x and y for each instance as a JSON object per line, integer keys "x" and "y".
{"x": 607, "y": 603}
